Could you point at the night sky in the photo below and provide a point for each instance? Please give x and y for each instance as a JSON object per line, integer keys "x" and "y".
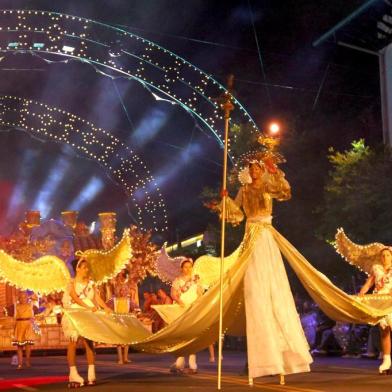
{"x": 218, "y": 37}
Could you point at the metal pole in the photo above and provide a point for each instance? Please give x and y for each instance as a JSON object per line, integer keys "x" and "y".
{"x": 227, "y": 107}
{"x": 344, "y": 22}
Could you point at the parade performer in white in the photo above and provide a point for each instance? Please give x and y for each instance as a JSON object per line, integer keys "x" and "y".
{"x": 185, "y": 290}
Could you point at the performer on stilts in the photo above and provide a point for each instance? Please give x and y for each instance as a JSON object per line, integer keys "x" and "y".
{"x": 275, "y": 339}
{"x": 81, "y": 293}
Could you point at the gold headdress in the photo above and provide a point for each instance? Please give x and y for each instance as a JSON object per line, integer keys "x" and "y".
{"x": 266, "y": 156}
{"x": 363, "y": 257}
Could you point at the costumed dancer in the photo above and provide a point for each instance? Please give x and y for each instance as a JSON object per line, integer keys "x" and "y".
{"x": 381, "y": 280}
{"x": 186, "y": 288}
{"x": 376, "y": 261}
{"x": 168, "y": 269}
{"x": 81, "y": 293}
{"x": 24, "y": 334}
{"x": 275, "y": 338}
{"x": 122, "y": 303}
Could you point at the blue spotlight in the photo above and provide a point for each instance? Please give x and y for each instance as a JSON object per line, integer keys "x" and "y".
{"x": 87, "y": 194}
{"x": 44, "y": 200}
{"x": 149, "y": 127}
{"x": 20, "y": 190}
{"x": 169, "y": 171}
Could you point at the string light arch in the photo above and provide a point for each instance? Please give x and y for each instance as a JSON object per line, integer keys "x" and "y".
{"x": 121, "y": 53}
{"x": 113, "y": 52}
{"x": 51, "y": 123}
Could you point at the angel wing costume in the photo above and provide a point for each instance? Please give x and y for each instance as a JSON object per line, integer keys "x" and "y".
{"x": 50, "y": 274}
{"x": 367, "y": 258}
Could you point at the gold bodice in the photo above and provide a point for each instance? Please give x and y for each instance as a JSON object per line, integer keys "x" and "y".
{"x": 257, "y": 201}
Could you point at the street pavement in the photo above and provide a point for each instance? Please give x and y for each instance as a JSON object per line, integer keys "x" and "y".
{"x": 150, "y": 373}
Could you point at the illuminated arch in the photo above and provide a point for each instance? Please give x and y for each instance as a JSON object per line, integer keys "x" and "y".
{"x": 51, "y": 123}
{"x": 116, "y": 53}
{"x": 122, "y": 53}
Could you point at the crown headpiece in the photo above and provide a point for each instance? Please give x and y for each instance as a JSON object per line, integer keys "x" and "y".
{"x": 266, "y": 156}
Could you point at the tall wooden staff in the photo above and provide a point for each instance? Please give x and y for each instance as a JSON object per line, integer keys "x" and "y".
{"x": 227, "y": 107}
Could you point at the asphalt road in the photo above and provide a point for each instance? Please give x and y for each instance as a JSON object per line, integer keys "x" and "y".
{"x": 150, "y": 373}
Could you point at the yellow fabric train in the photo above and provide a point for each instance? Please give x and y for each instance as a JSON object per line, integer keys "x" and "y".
{"x": 197, "y": 327}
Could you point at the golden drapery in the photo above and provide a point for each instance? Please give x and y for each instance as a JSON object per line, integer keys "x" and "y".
{"x": 197, "y": 326}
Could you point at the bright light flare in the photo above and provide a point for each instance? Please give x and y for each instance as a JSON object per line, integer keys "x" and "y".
{"x": 274, "y": 128}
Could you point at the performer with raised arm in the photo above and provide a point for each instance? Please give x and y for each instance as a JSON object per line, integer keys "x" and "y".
{"x": 275, "y": 339}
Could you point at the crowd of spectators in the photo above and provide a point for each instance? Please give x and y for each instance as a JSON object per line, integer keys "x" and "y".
{"x": 328, "y": 337}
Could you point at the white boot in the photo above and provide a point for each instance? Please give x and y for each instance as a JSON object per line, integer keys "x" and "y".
{"x": 386, "y": 365}
{"x": 75, "y": 380}
{"x": 91, "y": 375}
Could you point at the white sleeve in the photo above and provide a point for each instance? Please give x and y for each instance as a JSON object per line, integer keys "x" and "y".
{"x": 378, "y": 271}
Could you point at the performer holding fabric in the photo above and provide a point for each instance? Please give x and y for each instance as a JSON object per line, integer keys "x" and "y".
{"x": 81, "y": 293}
{"x": 48, "y": 274}
{"x": 185, "y": 290}
{"x": 376, "y": 261}
{"x": 275, "y": 339}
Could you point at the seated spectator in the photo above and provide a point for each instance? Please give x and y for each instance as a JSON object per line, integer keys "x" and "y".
{"x": 309, "y": 322}
{"x": 147, "y": 302}
{"x": 324, "y": 335}
{"x": 163, "y": 297}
